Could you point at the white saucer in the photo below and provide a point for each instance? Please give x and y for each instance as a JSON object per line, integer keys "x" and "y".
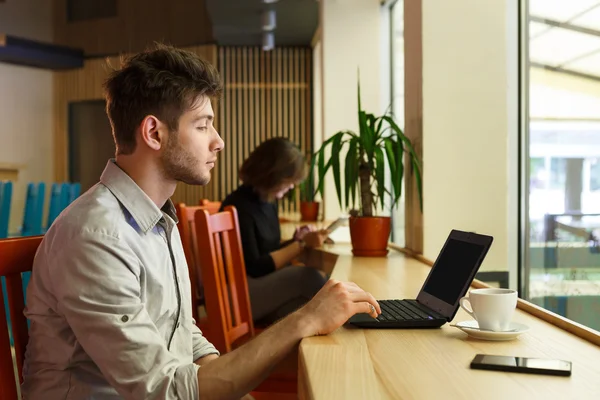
{"x": 515, "y": 327}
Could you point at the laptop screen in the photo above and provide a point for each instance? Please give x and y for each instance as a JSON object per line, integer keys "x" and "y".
{"x": 453, "y": 269}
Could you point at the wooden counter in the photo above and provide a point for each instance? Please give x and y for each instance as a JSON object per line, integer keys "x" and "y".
{"x": 420, "y": 364}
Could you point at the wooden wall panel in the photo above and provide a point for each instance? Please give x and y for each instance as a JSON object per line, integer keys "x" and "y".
{"x": 413, "y": 116}
{"x": 267, "y": 94}
{"x": 138, "y": 23}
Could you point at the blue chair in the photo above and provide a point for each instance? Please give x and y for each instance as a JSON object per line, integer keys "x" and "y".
{"x": 6, "y": 189}
{"x": 61, "y": 195}
{"x": 75, "y": 191}
{"x": 5, "y": 199}
{"x": 32, "y": 219}
{"x": 34, "y": 208}
{"x": 65, "y": 195}
{"x": 55, "y": 207}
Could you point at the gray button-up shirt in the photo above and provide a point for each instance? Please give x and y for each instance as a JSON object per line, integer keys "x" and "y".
{"x": 110, "y": 302}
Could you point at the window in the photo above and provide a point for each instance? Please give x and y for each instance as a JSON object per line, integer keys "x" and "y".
{"x": 594, "y": 174}
{"x": 561, "y": 267}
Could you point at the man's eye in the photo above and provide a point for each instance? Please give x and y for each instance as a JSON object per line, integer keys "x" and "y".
{"x": 202, "y": 128}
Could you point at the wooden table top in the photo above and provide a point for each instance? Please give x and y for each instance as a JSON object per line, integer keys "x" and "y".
{"x": 354, "y": 363}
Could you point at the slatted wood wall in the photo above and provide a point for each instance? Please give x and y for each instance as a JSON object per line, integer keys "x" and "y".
{"x": 267, "y": 94}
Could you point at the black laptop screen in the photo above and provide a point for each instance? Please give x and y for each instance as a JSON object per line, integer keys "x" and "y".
{"x": 453, "y": 269}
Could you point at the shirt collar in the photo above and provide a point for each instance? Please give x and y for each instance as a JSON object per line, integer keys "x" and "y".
{"x": 143, "y": 210}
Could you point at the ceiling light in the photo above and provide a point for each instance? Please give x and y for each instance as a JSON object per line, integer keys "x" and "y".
{"x": 268, "y": 41}
{"x": 269, "y": 1}
{"x": 268, "y": 20}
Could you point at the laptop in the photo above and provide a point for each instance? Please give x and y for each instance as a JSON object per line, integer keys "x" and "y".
{"x": 448, "y": 281}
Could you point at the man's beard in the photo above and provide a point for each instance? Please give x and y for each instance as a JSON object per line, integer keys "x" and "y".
{"x": 180, "y": 165}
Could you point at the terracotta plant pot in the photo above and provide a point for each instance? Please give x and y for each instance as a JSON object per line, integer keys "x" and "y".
{"x": 309, "y": 210}
{"x": 370, "y": 236}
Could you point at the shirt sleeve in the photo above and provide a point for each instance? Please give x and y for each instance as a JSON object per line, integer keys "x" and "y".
{"x": 257, "y": 264}
{"x": 201, "y": 346}
{"x": 96, "y": 281}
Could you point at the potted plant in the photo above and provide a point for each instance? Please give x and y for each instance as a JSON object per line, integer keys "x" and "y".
{"x": 378, "y": 139}
{"x": 309, "y": 208}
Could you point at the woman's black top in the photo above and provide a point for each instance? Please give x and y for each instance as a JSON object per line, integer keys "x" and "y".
{"x": 259, "y": 229}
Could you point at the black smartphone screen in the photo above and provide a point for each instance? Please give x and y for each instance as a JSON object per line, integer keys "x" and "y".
{"x": 522, "y": 364}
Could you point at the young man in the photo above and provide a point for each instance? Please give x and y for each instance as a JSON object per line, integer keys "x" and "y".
{"x": 109, "y": 298}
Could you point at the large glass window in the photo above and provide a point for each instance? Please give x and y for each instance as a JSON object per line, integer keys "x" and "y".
{"x": 397, "y": 97}
{"x": 562, "y": 263}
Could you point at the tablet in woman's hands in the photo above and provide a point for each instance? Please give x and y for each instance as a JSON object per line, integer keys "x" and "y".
{"x": 341, "y": 221}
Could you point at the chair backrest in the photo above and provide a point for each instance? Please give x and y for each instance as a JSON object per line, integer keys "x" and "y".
{"x": 16, "y": 257}
{"x": 6, "y": 189}
{"x": 213, "y": 207}
{"x": 224, "y": 272}
{"x": 61, "y": 195}
{"x": 187, "y": 231}
{"x": 55, "y": 207}
{"x": 75, "y": 192}
{"x": 34, "y": 208}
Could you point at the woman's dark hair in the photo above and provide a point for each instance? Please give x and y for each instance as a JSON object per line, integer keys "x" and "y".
{"x": 272, "y": 163}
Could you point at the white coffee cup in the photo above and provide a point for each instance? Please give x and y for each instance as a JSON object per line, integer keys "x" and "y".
{"x": 492, "y": 308}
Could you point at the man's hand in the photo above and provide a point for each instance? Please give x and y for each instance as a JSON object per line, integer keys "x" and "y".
{"x": 334, "y": 304}
{"x": 315, "y": 239}
{"x": 239, "y": 371}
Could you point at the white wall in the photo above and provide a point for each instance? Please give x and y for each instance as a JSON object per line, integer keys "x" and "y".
{"x": 26, "y": 102}
{"x": 350, "y": 41}
{"x": 470, "y": 124}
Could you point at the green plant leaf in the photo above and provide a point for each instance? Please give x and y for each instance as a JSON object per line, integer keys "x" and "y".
{"x": 321, "y": 169}
{"x": 335, "y": 164}
{"x": 419, "y": 182}
{"x": 399, "y": 150}
{"x": 350, "y": 176}
{"x": 377, "y": 129}
{"x": 414, "y": 159}
{"x": 392, "y": 162}
{"x": 380, "y": 172}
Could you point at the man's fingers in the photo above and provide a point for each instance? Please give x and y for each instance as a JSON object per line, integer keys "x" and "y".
{"x": 367, "y": 308}
{"x": 365, "y": 297}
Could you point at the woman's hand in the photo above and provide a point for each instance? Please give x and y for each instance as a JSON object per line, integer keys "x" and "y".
{"x": 301, "y": 231}
{"x": 316, "y": 238}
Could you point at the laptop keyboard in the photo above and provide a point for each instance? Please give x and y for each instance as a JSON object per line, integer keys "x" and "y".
{"x": 402, "y": 310}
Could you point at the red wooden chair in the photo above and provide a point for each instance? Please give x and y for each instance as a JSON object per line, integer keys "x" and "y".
{"x": 213, "y": 207}
{"x": 226, "y": 292}
{"x": 16, "y": 257}
{"x": 187, "y": 231}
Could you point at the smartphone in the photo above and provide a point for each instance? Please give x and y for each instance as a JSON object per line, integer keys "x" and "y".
{"x": 526, "y": 365}
{"x": 336, "y": 224}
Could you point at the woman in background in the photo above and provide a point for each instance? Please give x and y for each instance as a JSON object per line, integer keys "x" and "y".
{"x": 276, "y": 288}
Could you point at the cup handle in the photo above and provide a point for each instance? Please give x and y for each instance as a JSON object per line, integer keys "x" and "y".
{"x": 464, "y": 306}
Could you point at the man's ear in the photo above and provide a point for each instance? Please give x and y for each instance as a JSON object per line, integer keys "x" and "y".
{"x": 151, "y": 132}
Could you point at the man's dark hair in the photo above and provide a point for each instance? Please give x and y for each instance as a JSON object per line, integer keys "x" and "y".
{"x": 272, "y": 163}
{"x": 163, "y": 81}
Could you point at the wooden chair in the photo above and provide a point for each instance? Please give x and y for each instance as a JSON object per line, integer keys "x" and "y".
{"x": 16, "y": 257}
{"x": 226, "y": 291}
{"x": 213, "y": 207}
{"x": 187, "y": 231}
